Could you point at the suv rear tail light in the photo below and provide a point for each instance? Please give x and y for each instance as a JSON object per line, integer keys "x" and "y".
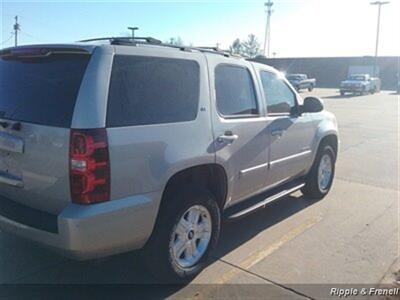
{"x": 89, "y": 166}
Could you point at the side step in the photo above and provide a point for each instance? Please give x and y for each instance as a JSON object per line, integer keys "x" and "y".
{"x": 261, "y": 200}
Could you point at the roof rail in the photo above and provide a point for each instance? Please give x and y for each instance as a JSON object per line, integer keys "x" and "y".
{"x": 125, "y": 39}
{"x": 214, "y": 50}
{"x": 133, "y": 41}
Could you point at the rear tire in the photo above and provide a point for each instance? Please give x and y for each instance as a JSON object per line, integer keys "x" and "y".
{"x": 320, "y": 177}
{"x": 161, "y": 252}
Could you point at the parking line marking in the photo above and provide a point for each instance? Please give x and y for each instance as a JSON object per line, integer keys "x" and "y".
{"x": 258, "y": 256}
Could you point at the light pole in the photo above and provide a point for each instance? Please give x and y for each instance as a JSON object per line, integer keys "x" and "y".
{"x": 267, "y": 38}
{"x": 133, "y": 31}
{"x": 379, "y": 3}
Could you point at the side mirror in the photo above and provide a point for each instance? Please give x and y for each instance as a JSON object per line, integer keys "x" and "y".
{"x": 312, "y": 105}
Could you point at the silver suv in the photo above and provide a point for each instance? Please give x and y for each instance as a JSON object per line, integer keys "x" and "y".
{"x": 111, "y": 146}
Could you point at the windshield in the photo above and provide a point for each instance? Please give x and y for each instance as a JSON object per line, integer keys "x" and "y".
{"x": 357, "y": 77}
{"x": 293, "y": 77}
{"x": 41, "y": 90}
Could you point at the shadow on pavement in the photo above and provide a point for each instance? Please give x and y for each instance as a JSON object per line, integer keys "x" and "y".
{"x": 126, "y": 270}
{"x": 347, "y": 96}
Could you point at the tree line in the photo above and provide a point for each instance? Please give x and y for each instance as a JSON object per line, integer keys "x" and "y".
{"x": 250, "y": 47}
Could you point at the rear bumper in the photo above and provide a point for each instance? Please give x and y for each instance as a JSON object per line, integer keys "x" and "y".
{"x": 92, "y": 231}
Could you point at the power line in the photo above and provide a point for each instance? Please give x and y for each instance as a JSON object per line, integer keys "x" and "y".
{"x": 6, "y": 40}
{"x": 30, "y": 36}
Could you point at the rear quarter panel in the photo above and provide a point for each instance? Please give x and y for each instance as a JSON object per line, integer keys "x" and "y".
{"x": 144, "y": 157}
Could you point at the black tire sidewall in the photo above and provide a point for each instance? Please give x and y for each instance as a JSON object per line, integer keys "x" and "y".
{"x": 327, "y": 151}
{"x": 171, "y": 213}
{"x": 312, "y": 188}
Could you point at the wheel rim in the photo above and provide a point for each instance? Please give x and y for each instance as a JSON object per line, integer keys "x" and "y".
{"x": 191, "y": 236}
{"x": 324, "y": 172}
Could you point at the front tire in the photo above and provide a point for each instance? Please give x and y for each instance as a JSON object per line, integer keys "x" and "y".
{"x": 320, "y": 178}
{"x": 186, "y": 233}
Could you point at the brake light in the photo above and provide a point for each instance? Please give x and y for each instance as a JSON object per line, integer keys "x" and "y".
{"x": 89, "y": 166}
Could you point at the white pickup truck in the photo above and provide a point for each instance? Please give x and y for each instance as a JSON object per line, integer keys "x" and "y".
{"x": 360, "y": 84}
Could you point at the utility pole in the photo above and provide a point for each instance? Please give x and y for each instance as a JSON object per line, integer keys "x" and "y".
{"x": 379, "y": 3}
{"x": 133, "y": 31}
{"x": 16, "y": 29}
{"x": 267, "y": 38}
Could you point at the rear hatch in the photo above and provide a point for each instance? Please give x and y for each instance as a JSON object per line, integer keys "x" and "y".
{"x": 38, "y": 90}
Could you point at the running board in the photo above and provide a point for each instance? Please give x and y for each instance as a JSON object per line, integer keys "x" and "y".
{"x": 260, "y": 201}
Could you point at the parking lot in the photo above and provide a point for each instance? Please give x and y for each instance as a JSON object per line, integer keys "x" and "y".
{"x": 349, "y": 237}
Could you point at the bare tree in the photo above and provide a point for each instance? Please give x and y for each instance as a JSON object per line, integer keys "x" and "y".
{"x": 236, "y": 47}
{"x": 177, "y": 41}
{"x": 251, "y": 46}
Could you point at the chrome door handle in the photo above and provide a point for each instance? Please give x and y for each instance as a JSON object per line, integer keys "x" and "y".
{"x": 227, "y": 138}
{"x": 277, "y": 132}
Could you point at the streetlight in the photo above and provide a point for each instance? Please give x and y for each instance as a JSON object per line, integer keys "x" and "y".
{"x": 133, "y": 31}
{"x": 379, "y": 3}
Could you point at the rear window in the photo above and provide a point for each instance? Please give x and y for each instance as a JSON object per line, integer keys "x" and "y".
{"x": 152, "y": 90}
{"x": 41, "y": 90}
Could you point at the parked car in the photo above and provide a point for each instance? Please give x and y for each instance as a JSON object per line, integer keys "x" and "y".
{"x": 124, "y": 145}
{"x": 360, "y": 84}
{"x": 301, "y": 82}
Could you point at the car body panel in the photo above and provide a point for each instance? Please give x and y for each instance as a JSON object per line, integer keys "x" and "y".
{"x": 143, "y": 158}
{"x": 245, "y": 160}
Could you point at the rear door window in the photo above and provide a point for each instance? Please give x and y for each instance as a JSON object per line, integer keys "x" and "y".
{"x": 152, "y": 90}
{"x": 235, "y": 92}
{"x": 41, "y": 90}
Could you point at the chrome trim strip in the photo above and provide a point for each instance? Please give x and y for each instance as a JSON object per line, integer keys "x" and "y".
{"x": 243, "y": 172}
{"x": 277, "y": 161}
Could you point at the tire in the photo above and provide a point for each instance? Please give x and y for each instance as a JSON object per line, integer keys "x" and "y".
{"x": 313, "y": 189}
{"x": 159, "y": 253}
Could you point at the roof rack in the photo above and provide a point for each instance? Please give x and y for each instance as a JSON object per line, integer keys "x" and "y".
{"x": 133, "y": 41}
{"x": 125, "y": 39}
{"x": 214, "y": 50}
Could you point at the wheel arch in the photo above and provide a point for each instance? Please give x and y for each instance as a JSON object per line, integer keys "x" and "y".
{"x": 211, "y": 176}
{"x": 329, "y": 139}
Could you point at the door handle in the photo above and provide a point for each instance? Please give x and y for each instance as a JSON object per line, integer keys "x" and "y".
{"x": 277, "y": 132}
{"x": 227, "y": 137}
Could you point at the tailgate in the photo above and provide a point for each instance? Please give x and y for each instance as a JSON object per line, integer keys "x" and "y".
{"x": 38, "y": 91}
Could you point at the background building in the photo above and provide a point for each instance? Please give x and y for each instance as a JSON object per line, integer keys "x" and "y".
{"x": 330, "y": 71}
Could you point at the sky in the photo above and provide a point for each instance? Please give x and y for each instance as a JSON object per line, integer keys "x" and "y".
{"x": 299, "y": 28}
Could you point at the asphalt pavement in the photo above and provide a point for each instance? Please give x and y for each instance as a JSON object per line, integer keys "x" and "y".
{"x": 293, "y": 247}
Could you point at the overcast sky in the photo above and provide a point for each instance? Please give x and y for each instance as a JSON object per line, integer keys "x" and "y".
{"x": 298, "y": 27}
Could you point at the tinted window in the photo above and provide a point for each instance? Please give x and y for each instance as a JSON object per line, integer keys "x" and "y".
{"x": 41, "y": 90}
{"x": 280, "y": 99}
{"x": 152, "y": 90}
{"x": 234, "y": 91}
